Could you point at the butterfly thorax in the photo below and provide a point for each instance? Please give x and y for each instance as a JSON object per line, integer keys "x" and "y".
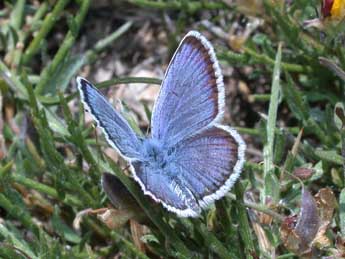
{"x": 156, "y": 155}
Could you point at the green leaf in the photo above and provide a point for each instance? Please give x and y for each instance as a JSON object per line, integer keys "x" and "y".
{"x": 55, "y": 123}
{"x": 63, "y": 75}
{"x": 279, "y": 146}
{"x": 329, "y": 156}
{"x": 269, "y": 190}
{"x": 331, "y": 65}
{"x": 72, "y": 25}
{"x": 17, "y": 15}
{"x": 17, "y": 241}
{"x": 318, "y": 171}
{"x": 244, "y": 226}
{"x": 272, "y": 186}
{"x": 149, "y": 238}
{"x": 295, "y": 99}
{"x": 342, "y": 211}
{"x": 339, "y": 116}
{"x": 62, "y": 229}
{"x": 214, "y": 243}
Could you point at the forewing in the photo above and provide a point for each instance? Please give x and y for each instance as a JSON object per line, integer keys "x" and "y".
{"x": 192, "y": 93}
{"x": 116, "y": 129}
{"x": 165, "y": 186}
{"x": 210, "y": 162}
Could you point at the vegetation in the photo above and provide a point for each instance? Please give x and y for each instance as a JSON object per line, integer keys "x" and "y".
{"x": 285, "y": 94}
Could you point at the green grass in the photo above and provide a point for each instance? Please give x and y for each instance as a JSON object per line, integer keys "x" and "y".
{"x": 51, "y": 163}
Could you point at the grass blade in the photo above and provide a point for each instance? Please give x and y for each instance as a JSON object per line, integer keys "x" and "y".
{"x": 271, "y": 182}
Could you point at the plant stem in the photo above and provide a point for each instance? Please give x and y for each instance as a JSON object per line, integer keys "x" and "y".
{"x": 259, "y": 207}
{"x": 244, "y": 227}
{"x": 12, "y": 80}
{"x": 69, "y": 199}
{"x": 261, "y": 58}
{"x": 253, "y": 166}
{"x": 233, "y": 57}
{"x": 37, "y": 17}
{"x": 91, "y": 55}
{"x": 190, "y": 6}
{"x": 270, "y": 187}
{"x": 17, "y": 212}
{"x": 215, "y": 245}
{"x": 64, "y": 48}
{"x": 249, "y": 131}
{"x": 128, "y": 244}
{"x": 46, "y": 27}
{"x": 4, "y": 170}
{"x": 259, "y": 97}
{"x": 17, "y": 15}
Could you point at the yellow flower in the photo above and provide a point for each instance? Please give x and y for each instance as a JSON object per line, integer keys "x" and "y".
{"x": 332, "y": 14}
{"x": 338, "y": 10}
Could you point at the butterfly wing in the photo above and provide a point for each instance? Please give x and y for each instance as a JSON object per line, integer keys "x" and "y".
{"x": 165, "y": 186}
{"x": 210, "y": 162}
{"x": 115, "y": 128}
{"x": 201, "y": 169}
{"x": 192, "y": 93}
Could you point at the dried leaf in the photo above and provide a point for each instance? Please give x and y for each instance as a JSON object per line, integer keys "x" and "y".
{"x": 303, "y": 173}
{"x": 298, "y": 232}
{"x": 117, "y": 193}
{"x": 115, "y": 219}
{"x": 138, "y": 231}
{"x": 264, "y": 242}
{"x": 239, "y": 34}
{"x": 289, "y": 237}
{"x": 250, "y": 7}
{"x": 264, "y": 218}
{"x": 339, "y": 115}
{"x": 308, "y": 221}
{"x": 126, "y": 206}
{"x": 79, "y": 218}
{"x": 321, "y": 240}
{"x": 257, "y": 219}
{"x": 340, "y": 248}
{"x": 326, "y": 202}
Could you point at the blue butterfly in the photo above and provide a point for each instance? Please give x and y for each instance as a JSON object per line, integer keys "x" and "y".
{"x": 190, "y": 160}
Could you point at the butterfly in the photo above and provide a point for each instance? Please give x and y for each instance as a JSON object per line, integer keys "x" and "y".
{"x": 190, "y": 159}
